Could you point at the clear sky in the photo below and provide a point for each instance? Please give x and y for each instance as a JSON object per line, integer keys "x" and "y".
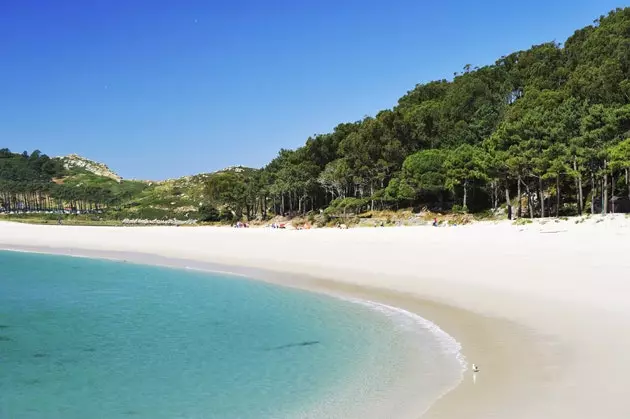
{"x": 159, "y": 89}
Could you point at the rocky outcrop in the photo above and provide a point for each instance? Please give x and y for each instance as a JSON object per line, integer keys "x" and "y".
{"x": 235, "y": 169}
{"x": 75, "y": 161}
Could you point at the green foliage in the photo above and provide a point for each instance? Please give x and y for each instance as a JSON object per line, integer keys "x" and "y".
{"x": 151, "y": 214}
{"x": 620, "y": 155}
{"x": 345, "y": 206}
{"x": 399, "y": 191}
{"x": 208, "y": 213}
{"x": 426, "y": 170}
{"x": 459, "y": 209}
{"x": 227, "y": 188}
{"x": 522, "y": 221}
{"x": 36, "y": 167}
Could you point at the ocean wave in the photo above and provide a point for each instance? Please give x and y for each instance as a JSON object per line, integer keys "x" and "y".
{"x": 409, "y": 322}
{"x": 412, "y": 322}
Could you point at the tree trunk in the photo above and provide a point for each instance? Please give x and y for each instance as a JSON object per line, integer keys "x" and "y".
{"x": 496, "y": 195}
{"x": 507, "y": 201}
{"x": 371, "y": 196}
{"x": 593, "y": 192}
{"x": 557, "y": 195}
{"x": 465, "y": 195}
{"x": 542, "y": 197}
{"x": 612, "y": 192}
{"x": 578, "y": 185}
{"x": 628, "y": 181}
{"x": 520, "y": 199}
{"x": 605, "y": 190}
{"x": 529, "y": 200}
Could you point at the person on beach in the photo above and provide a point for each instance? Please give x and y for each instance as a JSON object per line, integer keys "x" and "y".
{"x": 435, "y": 222}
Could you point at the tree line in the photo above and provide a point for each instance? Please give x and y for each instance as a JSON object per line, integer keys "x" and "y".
{"x": 543, "y": 132}
{"x": 26, "y": 184}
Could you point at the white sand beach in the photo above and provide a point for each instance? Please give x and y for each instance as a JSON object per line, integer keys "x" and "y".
{"x": 543, "y": 309}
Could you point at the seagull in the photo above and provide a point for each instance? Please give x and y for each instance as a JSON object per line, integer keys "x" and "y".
{"x": 475, "y": 368}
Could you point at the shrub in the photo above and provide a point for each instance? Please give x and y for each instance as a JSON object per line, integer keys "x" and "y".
{"x": 208, "y": 213}
{"x": 459, "y": 209}
{"x": 227, "y": 216}
{"x": 522, "y": 221}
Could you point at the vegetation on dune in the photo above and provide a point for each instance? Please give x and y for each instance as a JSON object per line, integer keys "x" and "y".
{"x": 546, "y": 131}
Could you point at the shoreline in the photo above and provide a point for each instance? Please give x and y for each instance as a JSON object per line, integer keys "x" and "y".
{"x": 365, "y": 410}
{"x": 437, "y": 314}
{"x": 543, "y": 315}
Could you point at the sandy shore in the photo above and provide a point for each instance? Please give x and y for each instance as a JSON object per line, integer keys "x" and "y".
{"x": 543, "y": 309}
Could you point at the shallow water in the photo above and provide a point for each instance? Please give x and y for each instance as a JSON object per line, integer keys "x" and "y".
{"x": 91, "y": 338}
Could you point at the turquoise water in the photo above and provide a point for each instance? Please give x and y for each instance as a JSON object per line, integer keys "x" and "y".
{"x": 85, "y": 338}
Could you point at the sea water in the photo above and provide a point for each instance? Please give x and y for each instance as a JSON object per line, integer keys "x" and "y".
{"x": 87, "y": 338}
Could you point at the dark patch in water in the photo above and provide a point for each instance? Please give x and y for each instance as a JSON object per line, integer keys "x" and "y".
{"x": 40, "y": 355}
{"x": 32, "y": 382}
{"x": 5, "y": 339}
{"x": 67, "y": 361}
{"x": 89, "y": 350}
{"x": 294, "y": 345}
{"x": 4, "y": 326}
{"x": 131, "y": 412}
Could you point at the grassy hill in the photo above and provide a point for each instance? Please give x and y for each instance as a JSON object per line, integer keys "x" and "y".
{"x": 178, "y": 198}
{"x": 36, "y": 187}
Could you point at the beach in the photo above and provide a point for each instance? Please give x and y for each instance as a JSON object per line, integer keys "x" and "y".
{"x": 543, "y": 309}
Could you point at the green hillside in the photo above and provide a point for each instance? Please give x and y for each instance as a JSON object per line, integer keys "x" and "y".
{"x": 46, "y": 187}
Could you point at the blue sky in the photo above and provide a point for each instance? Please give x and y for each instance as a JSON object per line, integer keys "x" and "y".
{"x": 160, "y": 89}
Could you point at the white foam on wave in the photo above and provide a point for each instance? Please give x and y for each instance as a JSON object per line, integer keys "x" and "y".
{"x": 411, "y": 322}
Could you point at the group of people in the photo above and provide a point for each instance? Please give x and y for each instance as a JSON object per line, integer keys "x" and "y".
{"x": 307, "y": 226}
